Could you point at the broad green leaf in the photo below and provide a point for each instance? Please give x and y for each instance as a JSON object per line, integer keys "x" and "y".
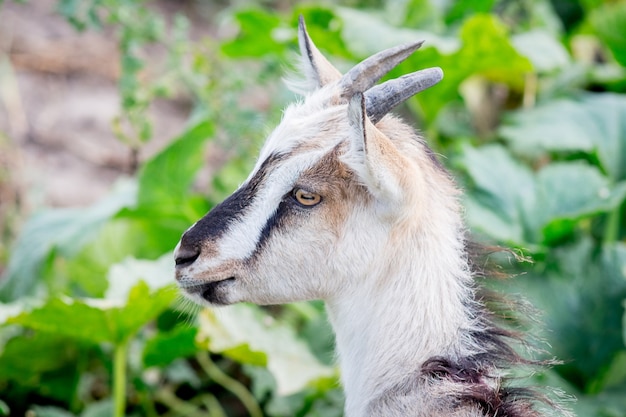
{"x": 594, "y": 123}
{"x": 366, "y": 32}
{"x": 40, "y": 362}
{"x": 609, "y": 22}
{"x": 156, "y": 229}
{"x": 12, "y": 309}
{"x": 580, "y": 296}
{"x": 164, "y": 348}
{"x": 423, "y": 14}
{"x": 49, "y": 411}
{"x": 164, "y": 180}
{"x": 325, "y": 28}
{"x": 123, "y": 277}
{"x": 610, "y": 403}
{"x": 98, "y": 320}
{"x": 511, "y": 203}
{"x": 487, "y": 47}
{"x": 485, "y": 51}
{"x": 255, "y": 37}
{"x": 64, "y": 231}
{"x": 25, "y": 357}
{"x": 247, "y": 335}
{"x": 613, "y": 375}
{"x": 504, "y": 192}
{"x": 459, "y": 10}
{"x": 605, "y": 404}
{"x": 544, "y": 51}
{"x": 165, "y": 205}
{"x": 73, "y": 318}
{"x": 87, "y": 271}
{"x": 568, "y": 192}
{"x": 100, "y": 409}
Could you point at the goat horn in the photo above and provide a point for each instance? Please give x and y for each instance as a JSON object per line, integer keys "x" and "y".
{"x": 367, "y": 73}
{"x": 379, "y": 100}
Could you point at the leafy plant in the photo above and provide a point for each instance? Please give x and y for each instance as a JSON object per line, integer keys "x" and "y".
{"x": 534, "y": 129}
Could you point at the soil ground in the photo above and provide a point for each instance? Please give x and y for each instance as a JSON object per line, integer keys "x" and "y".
{"x": 58, "y": 97}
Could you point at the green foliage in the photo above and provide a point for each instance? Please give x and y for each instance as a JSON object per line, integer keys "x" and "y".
{"x": 90, "y": 326}
{"x": 524, "y": 208}
{"x": 247, "y": 335}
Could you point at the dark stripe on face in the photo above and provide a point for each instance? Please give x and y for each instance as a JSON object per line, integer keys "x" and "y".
{"x": 218, "y": 220}
{"x": 274, "y": 222}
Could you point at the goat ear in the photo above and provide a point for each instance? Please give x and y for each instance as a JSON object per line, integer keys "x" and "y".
{"x": 375, "y": 158}
{"x": 318, "y": 70}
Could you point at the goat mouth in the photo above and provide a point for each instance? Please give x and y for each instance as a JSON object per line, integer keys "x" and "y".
{"x": 213, "y": 292}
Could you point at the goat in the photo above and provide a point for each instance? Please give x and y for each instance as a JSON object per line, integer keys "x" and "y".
{"x": 348, "y": 204}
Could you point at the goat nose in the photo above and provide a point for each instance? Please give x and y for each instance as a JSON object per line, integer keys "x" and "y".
{"x": 185, "y": 256}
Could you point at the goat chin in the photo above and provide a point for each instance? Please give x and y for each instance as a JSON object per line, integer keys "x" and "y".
{"x": 349, "y": 205}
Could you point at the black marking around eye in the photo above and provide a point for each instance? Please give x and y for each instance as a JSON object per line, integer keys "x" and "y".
{"x": 216, "y": 222}
{"x": 273, "y": 223}
{"x": 287, "y": 209}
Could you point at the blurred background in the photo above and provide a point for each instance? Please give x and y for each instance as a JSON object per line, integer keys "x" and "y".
{"x": 122, "y": 122}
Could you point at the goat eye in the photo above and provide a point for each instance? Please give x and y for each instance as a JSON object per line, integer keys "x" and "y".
{"x": 306, "y": 198}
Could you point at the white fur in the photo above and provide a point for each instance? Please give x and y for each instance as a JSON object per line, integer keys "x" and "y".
{"x": 385, "y": 248}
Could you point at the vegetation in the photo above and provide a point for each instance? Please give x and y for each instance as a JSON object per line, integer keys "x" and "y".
{"x": 531, "y": 116}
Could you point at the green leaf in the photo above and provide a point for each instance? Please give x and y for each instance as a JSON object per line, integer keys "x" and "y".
{"x": 256, "y": 35}
{"x": 580, "y": 294}
{"x": 26, "y": 357}
{"x": 100, "y": 409}
{"x": 423, "y": 14}
{"x": 50, "y": 412}
{"x": 248, "y": 335}
{"x": 459, "y": 10}
{"x": 486, "y": 51}
{"x": 487, "y": 47}
{"x": 510, "y": 203}
{"x": 568, "y": 192}
{"x": 165, "y": 206}
{"x": 545, "y": 52}
{"x": 164, "y": 181}
{"x": 611, "y": 403}
{"x": 71, "y": 318}
{"x": 325, "y": 28}
{"x": 504, "y": 192}
{"x": 65, "y": 231}
{"x": 87, "y": 271}
{"x": 594, "y": 123}
{"x": 132, "y": 302}
{"x": 609, "y": 22}
{"x": 164, "y": 348}
{"x": 40, "y": 363}
{"x": 123, "y": 277}
{"x": 613, "y": 375}
{"x": 366, "y": 32}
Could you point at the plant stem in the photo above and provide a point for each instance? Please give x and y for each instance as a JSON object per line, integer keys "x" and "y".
{"x": 178, "y": 406}
{"x": 212, "y": 404}
{"x": 119, "y": 378}
{"x": 611, "y": 229}
{"x": 232, "y": 385}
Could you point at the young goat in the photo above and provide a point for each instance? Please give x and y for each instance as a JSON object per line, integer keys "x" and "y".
{"x": 348, "y": 204}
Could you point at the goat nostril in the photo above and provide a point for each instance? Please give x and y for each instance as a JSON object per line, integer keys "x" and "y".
{"x": 185, "y": 257}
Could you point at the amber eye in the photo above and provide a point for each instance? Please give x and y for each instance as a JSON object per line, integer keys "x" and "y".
{"x": 306, "y": 198}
